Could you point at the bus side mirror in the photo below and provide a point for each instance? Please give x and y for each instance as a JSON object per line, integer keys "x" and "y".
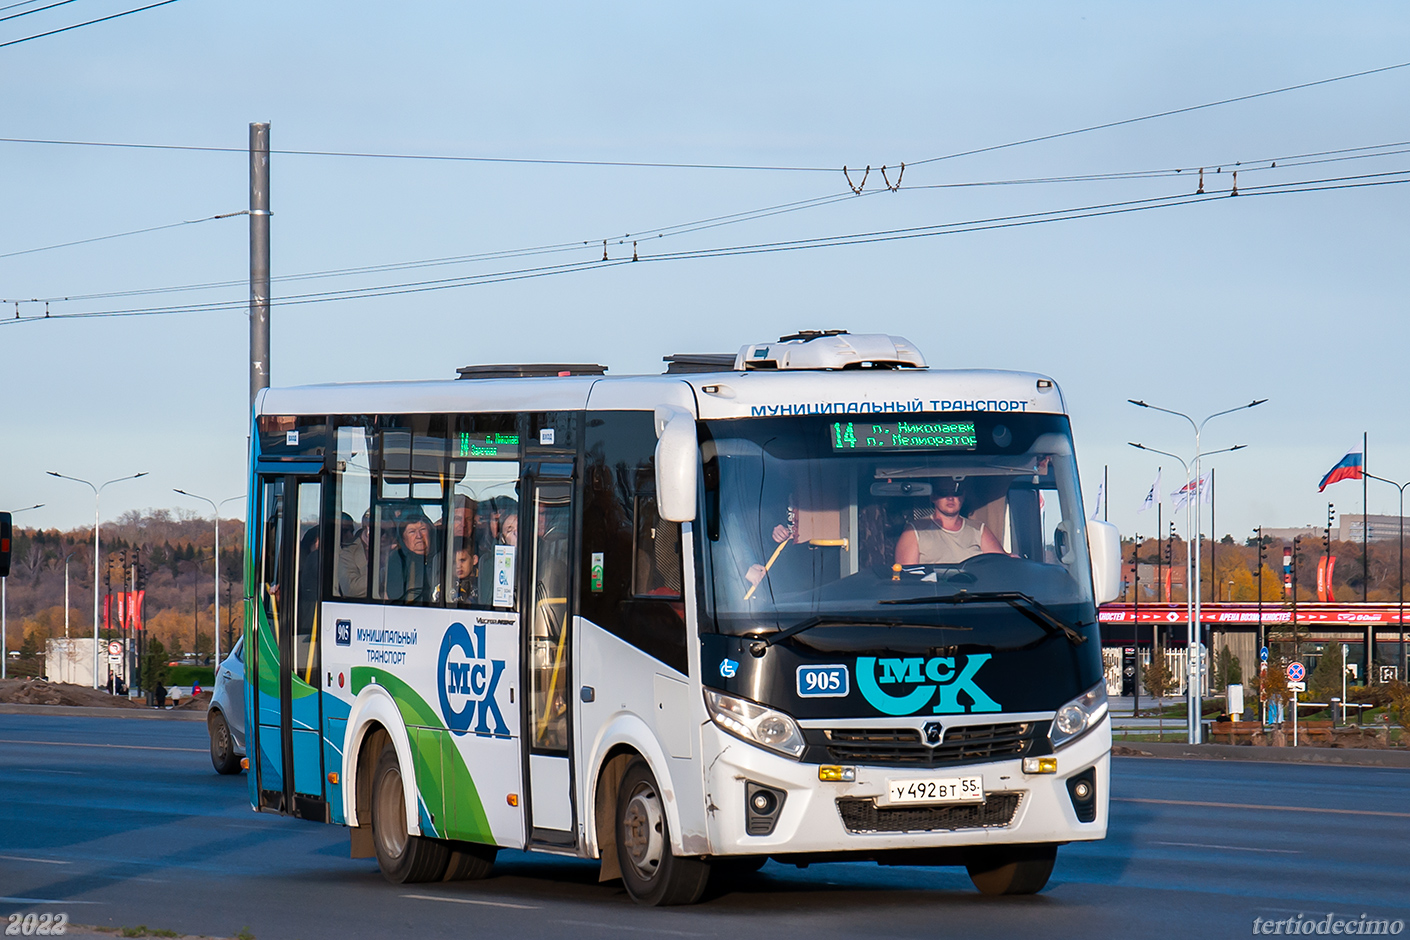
{"x": 4, "y": 544}
{"x": 677, "y": 457}
{"x": 1104, "y": 542}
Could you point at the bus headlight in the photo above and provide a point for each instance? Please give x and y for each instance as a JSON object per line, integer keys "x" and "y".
{"x": 755, "y": 723}
{"x": 1079, "y": 715}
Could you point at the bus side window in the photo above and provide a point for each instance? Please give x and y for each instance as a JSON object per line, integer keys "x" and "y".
{"x": 657, "y": 556}
{"x": 630, "y": 566}
{"x": 352, "y": 501}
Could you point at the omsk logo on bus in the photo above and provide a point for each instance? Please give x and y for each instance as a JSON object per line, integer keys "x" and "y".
{"x": 469, "y": 681}
{"x": 905, "y": 686}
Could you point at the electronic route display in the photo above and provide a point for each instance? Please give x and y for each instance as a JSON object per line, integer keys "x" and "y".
{"x": 903, "y": 435}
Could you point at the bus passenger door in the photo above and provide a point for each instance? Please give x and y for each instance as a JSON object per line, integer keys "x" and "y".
{"x": 284, "y": 657}
{"x": 548, "y": 616}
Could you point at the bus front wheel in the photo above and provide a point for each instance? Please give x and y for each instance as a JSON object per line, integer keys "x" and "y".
{"x": 1011, "y": 869}
{"x": 652, "y": 874}
{"x": 402, "y": 857}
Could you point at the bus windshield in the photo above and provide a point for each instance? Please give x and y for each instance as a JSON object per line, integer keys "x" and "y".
{"x": 883, "y": 517}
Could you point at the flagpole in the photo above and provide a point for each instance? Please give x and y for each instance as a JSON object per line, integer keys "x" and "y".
{"x": 1365, "y": 568}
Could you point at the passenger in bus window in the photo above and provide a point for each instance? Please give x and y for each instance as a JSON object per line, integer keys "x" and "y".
{"x": 945, "y": 537}
{"x": 467, "y": 574}
{"x": 412, "y": 569}
{"x": 353, "y": 558}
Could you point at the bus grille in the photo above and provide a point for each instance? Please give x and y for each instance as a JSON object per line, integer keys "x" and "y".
{"x": 962, "y": 744}
{"x": 863, "y": 815}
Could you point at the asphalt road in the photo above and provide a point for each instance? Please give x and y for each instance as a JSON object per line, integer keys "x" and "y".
{"x": 122, "y": 822}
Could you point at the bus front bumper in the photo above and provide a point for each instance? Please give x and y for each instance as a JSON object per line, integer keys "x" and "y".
{"x": 814, "y": 816}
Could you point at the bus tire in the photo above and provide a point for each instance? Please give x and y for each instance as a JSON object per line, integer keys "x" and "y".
{"x": 1016, "y": 869}
{"x": 403, "y": 858}
{"x": 652, "y": 873}
{"x": 222, "y": 748}
{"x": 469, "y": 861}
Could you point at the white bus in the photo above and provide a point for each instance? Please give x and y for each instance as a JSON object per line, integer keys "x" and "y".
{"x": 813, "y": 601}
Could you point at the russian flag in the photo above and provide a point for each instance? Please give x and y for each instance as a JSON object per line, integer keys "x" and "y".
{"x": 1348, "y": 468}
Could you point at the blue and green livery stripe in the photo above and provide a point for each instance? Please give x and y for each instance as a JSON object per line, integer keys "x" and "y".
{"x": 438, "y": 775}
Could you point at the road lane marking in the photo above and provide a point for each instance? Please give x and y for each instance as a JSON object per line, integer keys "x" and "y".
{"x": 658, "y": 930}
{"x": 1231, "y": 848}
{"x": 1279, "y": 809}
{"x": 435, "y": 897}
{"x": 21, "y": 858}
{"x": 126, "y": 747}
{"x": 46, "y": 901}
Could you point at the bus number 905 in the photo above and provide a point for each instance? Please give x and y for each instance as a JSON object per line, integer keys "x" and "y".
{"x": 823, "y": 682}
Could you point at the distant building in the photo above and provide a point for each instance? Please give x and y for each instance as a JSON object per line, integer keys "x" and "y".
{"x": 1379, "y": 528}
{"x": 1287, "y": 535}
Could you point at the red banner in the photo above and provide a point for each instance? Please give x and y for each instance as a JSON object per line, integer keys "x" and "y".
{"x": 1248, "y": 613}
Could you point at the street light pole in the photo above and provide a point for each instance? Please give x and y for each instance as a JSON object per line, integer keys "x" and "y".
{"x": 1400, "y": 666}
{"x": 4, "y": 611}
{"x": 97, "y": 494}
{"x": 215, "y": 509}
{"x": 1194, "y": 716}
{"x": 1196, "y": 630}
{"x": 68, "y": 653}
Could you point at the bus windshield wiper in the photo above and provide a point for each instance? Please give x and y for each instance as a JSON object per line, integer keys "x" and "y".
{"x": 761, "y": 646}
{"x": 1030, "y": 608}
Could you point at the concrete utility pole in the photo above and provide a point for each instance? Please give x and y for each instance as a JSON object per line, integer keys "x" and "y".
{"x": 259, "y": 258}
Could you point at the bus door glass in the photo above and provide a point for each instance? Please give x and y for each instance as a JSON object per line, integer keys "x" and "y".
{"x": 263, "y": 657}
{"x": 285, "y": 655}
{"x": 548, "y": 617}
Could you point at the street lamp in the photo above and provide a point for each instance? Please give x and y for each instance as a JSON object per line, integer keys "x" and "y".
{"x": 68, "y": 652}
{"x": 1400, "y": 667}
{"x": 4, "y": 611}
{"x": 1192, "y": 576}
{"x": 215, "y": 509}
{"x": 97, "y": 493}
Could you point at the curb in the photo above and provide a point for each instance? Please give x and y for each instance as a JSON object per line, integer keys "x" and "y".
{"x": 1335, "y": 756}
{"x": 99, "y": 711}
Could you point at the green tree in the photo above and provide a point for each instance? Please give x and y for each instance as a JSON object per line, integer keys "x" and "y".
{"x": 1326, "y": 678}
{"x": 154, "y": 667}
{"x": 1227, "y": 669}
{"x": 1159, "y": 682}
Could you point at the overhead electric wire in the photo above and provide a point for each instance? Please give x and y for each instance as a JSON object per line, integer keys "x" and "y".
{"x": 1285, "y": 161}
{"x": 101, "y": 19}
{"x": 663, "y": 231}
{"x": 645, "y": 164}
{"x": 948, "y": 228}
{"x": 15, "y": 16}
{"x": 451, "y": 158}
{"x": 1158, "y": 114}
{"x": 140, "y": 231}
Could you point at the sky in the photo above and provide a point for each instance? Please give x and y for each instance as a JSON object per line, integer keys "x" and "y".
{"x": 1198, "y": 306}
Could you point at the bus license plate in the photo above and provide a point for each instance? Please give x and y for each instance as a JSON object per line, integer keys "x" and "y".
{"x": 935, "y": 790}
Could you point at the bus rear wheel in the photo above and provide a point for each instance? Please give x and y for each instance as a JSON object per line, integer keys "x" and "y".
{"x": 1011, "y": 869}
{"x": 469, "y": 861}
{"x": 403, "y": 857}
{"x": 652, "y": 873}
